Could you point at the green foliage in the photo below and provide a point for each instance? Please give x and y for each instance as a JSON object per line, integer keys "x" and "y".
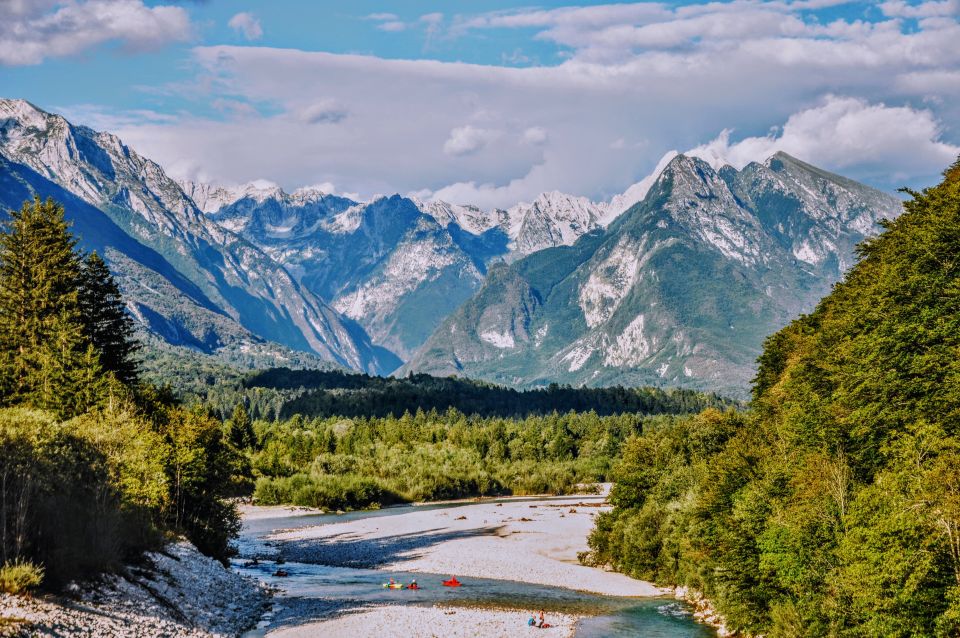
{"x": 833, "y": 508}
{"x": 105, "y": 320}
{"x": 281, "y": 393}
{"x": 95, "y": 468}
{"x": 19, "y": 577}
{"x": 44, "y": 359}
{"x": 337, "y": 463}
{"x": 200, "y": 469}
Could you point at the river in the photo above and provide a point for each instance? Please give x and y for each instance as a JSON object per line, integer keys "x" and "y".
{"x": 315, "y": 590}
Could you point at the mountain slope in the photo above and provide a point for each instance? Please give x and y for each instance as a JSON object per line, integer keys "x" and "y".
{"x": 385, "y": 264}
{"x": 126, "y": 206}
{"x": 396, "y": 265}
{"x": 680, "y": 289}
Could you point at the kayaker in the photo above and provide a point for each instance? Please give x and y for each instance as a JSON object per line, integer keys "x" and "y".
{"x": 413, "y": 584}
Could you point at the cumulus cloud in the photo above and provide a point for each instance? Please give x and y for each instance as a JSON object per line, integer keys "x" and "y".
{"x": 34, "y": 30}
{"x": 846, "y": 133}
{"x": 247, "y": 25}
{"x": 931, "y": 9}
{"x": 636, "y": 81}
{"x": 326, "y": 111}
{"x": 467, "y": 140}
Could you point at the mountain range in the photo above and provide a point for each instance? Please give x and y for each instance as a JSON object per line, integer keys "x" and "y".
{"x": 680, "y": 290}
{"x": 675, "y": 282}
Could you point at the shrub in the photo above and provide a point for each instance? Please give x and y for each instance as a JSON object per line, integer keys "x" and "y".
{"x": 20, "y": 576}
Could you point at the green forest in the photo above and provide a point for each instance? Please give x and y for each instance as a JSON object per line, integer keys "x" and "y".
{"x": 832, "y": 506}
{"x": 282, "y": 393}
{"x": 96, "y": 466}
{"x": 340, "y": 463}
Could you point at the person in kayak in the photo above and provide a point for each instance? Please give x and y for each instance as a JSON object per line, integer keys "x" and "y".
{"x": 413, "y": 584}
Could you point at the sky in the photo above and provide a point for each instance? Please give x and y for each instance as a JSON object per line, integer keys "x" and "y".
{"x": 493, "y": 102}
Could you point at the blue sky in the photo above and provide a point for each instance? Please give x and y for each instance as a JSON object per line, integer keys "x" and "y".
{"x": 493, "y": 102}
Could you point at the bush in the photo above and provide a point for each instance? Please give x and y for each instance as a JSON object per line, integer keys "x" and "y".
{"x": 19, "y": 577}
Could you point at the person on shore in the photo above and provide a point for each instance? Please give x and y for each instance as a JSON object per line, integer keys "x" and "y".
{"x": 541, "y": 621}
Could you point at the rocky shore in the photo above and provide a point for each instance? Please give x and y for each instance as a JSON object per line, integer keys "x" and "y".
{"x": 177, "y": 593}
{"x": 705, "y": 613}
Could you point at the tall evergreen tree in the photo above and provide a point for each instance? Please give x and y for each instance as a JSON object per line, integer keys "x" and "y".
{"x": 240, "y": 431}
{"x": 43, "y": 352}
{"x": 105, "y": 320}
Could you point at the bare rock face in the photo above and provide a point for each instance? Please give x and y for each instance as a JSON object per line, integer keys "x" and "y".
{"x": 681, "y": 289}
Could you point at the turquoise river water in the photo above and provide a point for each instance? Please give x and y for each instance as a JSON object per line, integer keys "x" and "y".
{"x": 605, "y": 616}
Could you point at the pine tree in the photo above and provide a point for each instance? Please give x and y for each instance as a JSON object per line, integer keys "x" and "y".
{"x": 240, "y": 432}
{"x": 42, "y": 346}
{"x": 105, "y": 320}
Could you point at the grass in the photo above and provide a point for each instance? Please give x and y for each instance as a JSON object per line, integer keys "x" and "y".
{"x": 20, "y": 577}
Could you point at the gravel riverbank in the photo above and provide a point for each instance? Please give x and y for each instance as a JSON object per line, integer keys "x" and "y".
{"x": 179, "y": 594}
{"x": 530, "y": 542}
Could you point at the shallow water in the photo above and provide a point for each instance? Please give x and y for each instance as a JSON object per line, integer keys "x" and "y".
{"x": 607, "y": 616}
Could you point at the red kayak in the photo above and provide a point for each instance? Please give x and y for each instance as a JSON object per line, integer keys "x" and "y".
{"x": 453, "y": 582}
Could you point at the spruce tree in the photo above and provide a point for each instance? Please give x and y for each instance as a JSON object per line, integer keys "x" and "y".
{"x": 240, "y": 431}
{"x": 105, "y": 320}
{"x": 46, "y": 359}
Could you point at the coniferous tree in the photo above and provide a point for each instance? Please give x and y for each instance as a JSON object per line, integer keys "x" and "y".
{"x": 105, "y": 320}
{"x": 43, "y": 352}
{"x": 240, "y": 432}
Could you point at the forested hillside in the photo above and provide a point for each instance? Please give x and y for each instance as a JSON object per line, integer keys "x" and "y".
{"x": 96, "y": 466}
{"x": 833, "y": 506}
{"x": 280, "y": 393}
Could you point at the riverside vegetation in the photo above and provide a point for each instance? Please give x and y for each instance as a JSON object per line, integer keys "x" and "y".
{"x": 832, "y": 507}
{"x": 96, "y": 467}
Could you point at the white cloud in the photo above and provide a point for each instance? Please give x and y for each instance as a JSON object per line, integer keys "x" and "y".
{"x": 380, "y": 17}
{"x": 934, "y": 8}
{"x": 535, "y": 135}
{"x": 246, "y": 24}
{"x": 467, "y": 140}
{"x": 846, "y": 133}
{"x": 392, "y": 26}
{"x": 32, "y": 31}
{"x": 655, "y": 77}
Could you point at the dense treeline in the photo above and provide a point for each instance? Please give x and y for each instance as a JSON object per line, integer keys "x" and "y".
{"x": 281, "y": 393}
{"x": 833, "y": 506}
{"x": 95, "y": 466}
{"x": 341, "y": 463}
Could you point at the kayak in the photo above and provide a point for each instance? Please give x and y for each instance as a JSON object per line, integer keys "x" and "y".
{"x": 393, "y": 585}
{"x": 453, "y": 582}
